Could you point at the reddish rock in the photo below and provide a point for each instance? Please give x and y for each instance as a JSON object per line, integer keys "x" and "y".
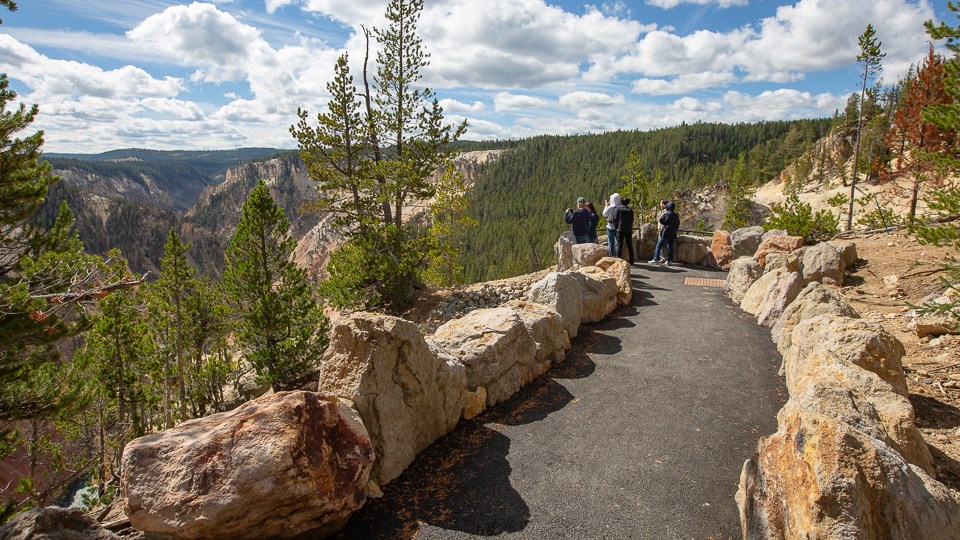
{"x": 721, "y": 251}
{"x": 777, "y": 244}
{"x": 278, "y": 466}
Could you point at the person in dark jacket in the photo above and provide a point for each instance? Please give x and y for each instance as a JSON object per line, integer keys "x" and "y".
{"x": 592, "y": 225}
{"x": 625, "y": 228}
{"x": 668, "y": 235}
{"x": 580, "y": 221}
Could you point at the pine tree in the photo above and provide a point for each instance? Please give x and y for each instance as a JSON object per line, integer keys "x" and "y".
{"x": 870, "y": 56}
{"x": 450, "y": 224}
{"x": 280, "y": 327}
{"x": 738, "y": 197}
{"x": 640, "y": 188}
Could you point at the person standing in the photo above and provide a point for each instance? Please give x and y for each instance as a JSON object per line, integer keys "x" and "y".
{"x": 580, "y": 220}
{"x": 625, "y": 229}
{"x": 610, "y": 212}
{"x": 668, "y": 235}
{"x": 592, "y": 224}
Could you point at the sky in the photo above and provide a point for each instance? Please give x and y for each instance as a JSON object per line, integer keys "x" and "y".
{"x": 225, "y": 74}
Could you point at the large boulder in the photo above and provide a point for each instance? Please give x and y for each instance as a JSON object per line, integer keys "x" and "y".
{"x": 600, "y": 291}
{"x": 859, "y": 398}
{"x": 860, "y": 342}
{"x": 815, "y": 299}
{"x": 721, "y": 251}
{"x": 564, "y": 250}
{"x": 848, "y": 251}
{"x": 746, "y": 240}
{"x": 407, "y": 395}
{"x": 772, "y": 233}
{"x": 588, "y": 254}
{"x": 561, "y": 291}
{"x": 824, "y": 263}
{"x": 53, "y": 523}
{"x": 786, "y": 261}
{"x": 778, "y": 297}
{"x": 620, "y": 270}
{"x": 648, "y": 235}
{"x": 777, "y": 244}
{"x": 691, "y": 249}
{"x": 744, "y": 271}
{"x": 278, "y": 466}
{"x": 494, "y": 346}
{"x": 818, "y": 477}
{"x": 545, "y": 327}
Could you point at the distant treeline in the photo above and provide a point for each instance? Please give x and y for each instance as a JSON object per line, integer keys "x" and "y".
{"x": 519, "y": 198}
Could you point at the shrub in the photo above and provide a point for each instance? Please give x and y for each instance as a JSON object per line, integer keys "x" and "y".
{"x": 799, "y": 219}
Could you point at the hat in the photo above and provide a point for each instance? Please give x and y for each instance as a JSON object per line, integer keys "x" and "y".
{"x": 581, "y": 199}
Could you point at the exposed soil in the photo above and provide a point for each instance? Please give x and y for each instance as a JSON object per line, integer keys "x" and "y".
{"x": 932, "y": 364}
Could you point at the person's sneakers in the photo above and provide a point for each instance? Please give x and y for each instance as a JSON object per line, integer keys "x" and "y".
{"x": 668, "y": 263}
{"x": 662, "y": 260}
{"x": 653, "y": 261}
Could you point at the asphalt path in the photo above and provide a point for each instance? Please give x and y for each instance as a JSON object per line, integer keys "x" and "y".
{"x": 640, "y": 433}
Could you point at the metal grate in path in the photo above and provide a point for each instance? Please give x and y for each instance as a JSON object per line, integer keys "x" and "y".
{"x": 703, "y": 282}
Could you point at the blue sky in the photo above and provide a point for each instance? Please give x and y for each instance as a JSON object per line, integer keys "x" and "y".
{"x": 230, "y": 73}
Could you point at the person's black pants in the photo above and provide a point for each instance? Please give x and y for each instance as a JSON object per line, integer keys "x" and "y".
{"x": 625, "y": 239}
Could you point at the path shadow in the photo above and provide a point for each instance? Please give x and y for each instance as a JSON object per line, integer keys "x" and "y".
{"x": 932, "y": 413}
{"x": 461, "y": 482}
{"x": 577, "y": 365}
{"x": 591, "y": 339}
{"x": 532, "y": 403}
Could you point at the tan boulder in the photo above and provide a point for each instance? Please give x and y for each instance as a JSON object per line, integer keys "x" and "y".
{"x": 494, "y": 345}
{"x": 600, "y": 291}
{"x": 848, "y": 393}
{"x": 721, "y": 250}
{"x": 647, "y": 237}
{"x": 561, "y": 291}
{"x": 823, "y": 262}
{"x": 848, "y": 251}
{"x": 770, "y": 295}
{"x": 407, "y": 395}
{"x": 815, "y": 299}
{"x": 860, "y": 342}
{"x": 777, "y": 244}
{"x": 588, "y": 254}
{"x": 787, "y": 261}
{"x": 744, "y": 271}
{"x": 545, "y": 327}
{"x": 690, "y": 249}
{"x": 817, "y": 477}
{"x": 620, "y": 270}
{"x": 53, "y": 523}
{"x": 278, "y": 466}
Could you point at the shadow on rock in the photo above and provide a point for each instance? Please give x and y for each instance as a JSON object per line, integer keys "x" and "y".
{"x": 461, "y": 483}
{"x": 934, "y": 414}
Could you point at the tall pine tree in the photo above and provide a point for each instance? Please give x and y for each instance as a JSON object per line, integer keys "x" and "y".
{"x": 281, "y": 328}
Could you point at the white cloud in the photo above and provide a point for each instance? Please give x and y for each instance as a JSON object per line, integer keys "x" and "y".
{"x": 586, "y": 100}
{"x": 670, "y": 4}
{"x": 505, "y": 102}
{"x": 454, "y": 106}
{"x": 682, "y": 84}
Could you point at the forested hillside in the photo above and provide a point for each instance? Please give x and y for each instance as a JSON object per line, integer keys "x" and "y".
{"x": 519, "y": 199}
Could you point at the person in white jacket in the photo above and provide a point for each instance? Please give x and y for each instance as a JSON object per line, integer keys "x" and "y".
{"x": 610, "y": 212}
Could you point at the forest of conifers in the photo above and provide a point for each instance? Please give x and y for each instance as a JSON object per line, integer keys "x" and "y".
{"x": 519, "y": 198}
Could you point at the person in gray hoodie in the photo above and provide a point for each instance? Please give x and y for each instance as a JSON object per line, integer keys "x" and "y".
{"x": 610, "y": 212}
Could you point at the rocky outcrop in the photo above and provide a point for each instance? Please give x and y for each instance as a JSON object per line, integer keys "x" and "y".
{"x": 824, "y": 263}
{"x": 277, "y": 466}
{"x": 564, "y": 250}
{"x": 744, "y": 271}
{"x": 53, "y": 523}
{"x": 407, "y": 395}
{"x": 721, "y": 251}
{"x": 815, "y": 299}
{"x": 494, "y": 347}
{"x": 777, "y": 244}
{"x": 691, "y": 249}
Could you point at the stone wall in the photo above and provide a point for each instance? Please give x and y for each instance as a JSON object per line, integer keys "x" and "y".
{"x": 847, "y": 460}
{"x": 292, "y": 462}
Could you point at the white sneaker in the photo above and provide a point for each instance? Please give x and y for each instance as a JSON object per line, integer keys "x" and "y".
{"x": 653, "y": 261}
{"x": 668, "y": 263}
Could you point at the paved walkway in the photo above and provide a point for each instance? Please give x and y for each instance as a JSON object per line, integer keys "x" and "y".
{"x": 641, "y": 433}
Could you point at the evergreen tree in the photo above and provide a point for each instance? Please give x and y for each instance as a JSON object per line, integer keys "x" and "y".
{"x": 206, "y": 338}
{"x": 450, "y": 224}
{"x": 870, "y": 57}
{"x": 280, "y": 327}
{"x": 738, "y": 197}
{"x": 640, "y": 188}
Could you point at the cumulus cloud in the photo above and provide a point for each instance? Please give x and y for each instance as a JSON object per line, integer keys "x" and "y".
{"x": 587, "y": 100}
{"x": 505, "y": 102}
{"x": 454, "y": 106}
{"x": 670, "y": 4}
{"x": 682, "y": 84}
